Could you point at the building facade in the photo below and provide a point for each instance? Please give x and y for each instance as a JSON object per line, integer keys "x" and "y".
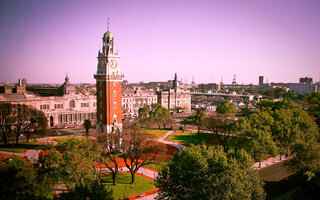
{"x": 108, "y": 84}
{"x": 132, "y": 100}
{"x": 175, "y": 99}
{"x": 70, "y": 108}
{"x": 302, "y": 88}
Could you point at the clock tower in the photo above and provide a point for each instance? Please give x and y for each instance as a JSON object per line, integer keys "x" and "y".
{"x": 108, "y": 83}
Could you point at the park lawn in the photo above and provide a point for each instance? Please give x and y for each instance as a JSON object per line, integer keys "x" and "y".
{"x": 124, "y": 188}
{"x": 20, "y": 147}
{"x": 188, "y": 138}
{"x": 275, "y": 172}
{"x": 158, "y": 133}
{"x": 66, "y": 139}
{"x": 159, "y": 165}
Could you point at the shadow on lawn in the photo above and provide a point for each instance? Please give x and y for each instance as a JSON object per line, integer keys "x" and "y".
{"x": 20, "y": 146}
{"x": 292, "y": 187}
{"x": 194, "y": 138}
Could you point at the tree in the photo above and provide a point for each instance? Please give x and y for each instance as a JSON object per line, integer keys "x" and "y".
{"x": 221, "y": 129}
{"x": 38, "y": 124}
{"x": 200, "y": 115}
{"x": 157, "y": 113}
{"x": 74, "y": 162}
{"x": 167, "y": 118}
{"x": 226, "y": 107}
{"x": 138, "y": 150}
{"x": 93, "y": 190}
{"x": 6, "y": 120}
{"x": 87, "y": 126}
{"x": 305, "y": 160}
{"x": 20, "y": 119}
{"x": 20, "y": 180}
{"x": 202, "y": 172}
{"x": 111, "y": 152}
{"x": 255, "y": 130}
{"x": 145, "y": 116}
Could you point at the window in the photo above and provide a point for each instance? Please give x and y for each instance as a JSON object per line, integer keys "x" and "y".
{"x": 114, "y": 93}
{"x": 44, "y": 107}
{"x": 114, "y": 84}
{"x": 86, "y": 104}
{"x": 114, "y": 104}
{"x": 58, "y": 106}
{"x": 72, "y": 104}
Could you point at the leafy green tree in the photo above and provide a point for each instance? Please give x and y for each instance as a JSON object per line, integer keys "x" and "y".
{"x": 144, "y": 117}
{"x": 87, "y": 126}
{"x": 200, "y": 116}
{"x": 157, "y": 113}
{"x": 256, "y": 131}
{"x": 37, "y": 124}
{"x": 306, "y": 160}
{"x": 74, "y": 162}
{"x": 20, "y": 180}
{"x": 90, "y": 191}
{"x": 202, "y": 172}
{"x": 226, "y": 107}
{"x": 219, "y": 128}
{"x": 6, "y": 120}
{"x": 20, "y": 119}
{"x": 167, "y": 118}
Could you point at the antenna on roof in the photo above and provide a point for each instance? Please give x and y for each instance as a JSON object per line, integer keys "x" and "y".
{"x": 108, "y": 23}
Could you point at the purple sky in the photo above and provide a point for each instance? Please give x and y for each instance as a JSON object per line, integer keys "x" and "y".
{"x": 42, "y": 40}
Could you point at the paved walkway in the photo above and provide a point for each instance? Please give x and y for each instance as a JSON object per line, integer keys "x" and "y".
{"x": 270, "y": 161}
{"x": 174, "y": 144}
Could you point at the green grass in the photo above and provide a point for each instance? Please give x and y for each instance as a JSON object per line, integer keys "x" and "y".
{"x": 154, "y": 132}
{"x": 66, "y": 139}
{"x": 193, "y": 138}
{"x": 20, "y": 147}
{"x": 124, "y": 187}
{"x": 160, "y": 164}
{"x": 275, "y": 172}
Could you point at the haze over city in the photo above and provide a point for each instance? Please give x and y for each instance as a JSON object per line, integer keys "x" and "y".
{"x": 43, "y": 40}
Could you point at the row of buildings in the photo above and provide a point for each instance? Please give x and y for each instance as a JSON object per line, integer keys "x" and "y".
{"x": 305, "y": 85}
{"x": 67, "y": 106}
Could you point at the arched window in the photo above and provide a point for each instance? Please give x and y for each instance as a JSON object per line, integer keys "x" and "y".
{"x": 72, "y": 104}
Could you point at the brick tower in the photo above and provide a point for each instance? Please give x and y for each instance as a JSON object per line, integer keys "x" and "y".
{"x": 109, "y": 79}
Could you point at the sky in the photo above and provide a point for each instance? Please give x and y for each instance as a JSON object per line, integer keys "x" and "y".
{"x": 210, "y": 40}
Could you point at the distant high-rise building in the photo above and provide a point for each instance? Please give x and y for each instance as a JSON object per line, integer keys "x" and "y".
{"x": 109, "y": 81}
{"x": 260, "y": 80}
{"x": 305, "y": 80}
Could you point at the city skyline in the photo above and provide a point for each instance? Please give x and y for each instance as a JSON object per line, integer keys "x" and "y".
{"x": 43, "y": 40}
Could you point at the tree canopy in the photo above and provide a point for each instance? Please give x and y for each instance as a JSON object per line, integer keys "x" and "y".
{"x": 18, "y": 119}
{"x": 226, "y": 107}
{"x": 202, "y": 172}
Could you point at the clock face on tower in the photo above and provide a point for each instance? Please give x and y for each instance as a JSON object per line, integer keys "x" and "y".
{"x": 113, "y": 63}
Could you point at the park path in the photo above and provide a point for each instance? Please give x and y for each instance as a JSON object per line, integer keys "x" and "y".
{"x": 270, "y": 161}
{"x": 154, "y": 174}
{"x": 174, "y": 144}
